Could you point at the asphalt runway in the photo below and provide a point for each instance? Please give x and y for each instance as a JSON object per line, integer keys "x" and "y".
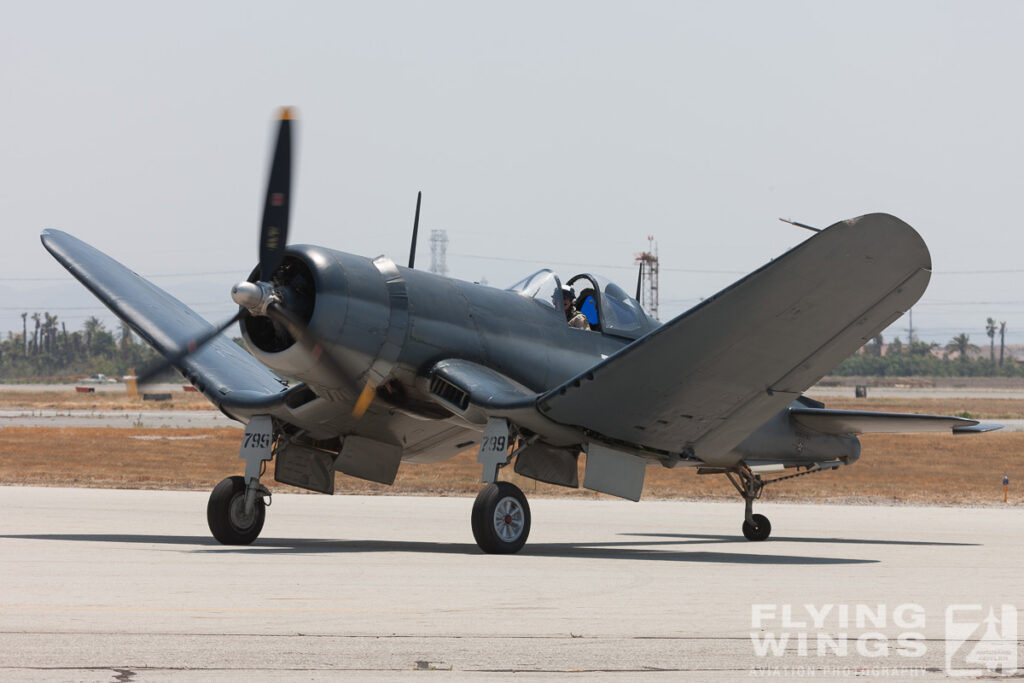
{"x": 128, "y": 585}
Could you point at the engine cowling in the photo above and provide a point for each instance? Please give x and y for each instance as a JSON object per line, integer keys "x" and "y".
{"x": 341, "y": 300}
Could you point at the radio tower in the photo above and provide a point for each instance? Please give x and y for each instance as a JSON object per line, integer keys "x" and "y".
{"x": 438, "y": 249}
{"x": 649, "y": 291}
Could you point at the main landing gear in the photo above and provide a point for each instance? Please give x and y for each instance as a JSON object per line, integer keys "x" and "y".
{"x": 230, "y": 522}
{"x": 750, "y": 486}
{"x": 501, "y": 515}
{"x": 501, "y": 518}
{"x": 238, "y": 505}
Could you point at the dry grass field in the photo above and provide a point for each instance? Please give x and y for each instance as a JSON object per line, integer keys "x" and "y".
{"x": 100, "y": 400}
{"x": 48, "y": 399}
{"x": 935, "y": 469}
{"x": 977, "y": 408}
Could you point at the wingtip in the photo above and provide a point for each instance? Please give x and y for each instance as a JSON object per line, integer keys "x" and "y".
{"x": 977, "y": 428}
{"x": 286, "y": 114}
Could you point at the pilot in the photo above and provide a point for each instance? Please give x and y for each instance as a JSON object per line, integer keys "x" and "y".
{"x": 572, "y": 314}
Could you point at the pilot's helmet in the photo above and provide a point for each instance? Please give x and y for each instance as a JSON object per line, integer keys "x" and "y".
{"x": 567, "y": 293}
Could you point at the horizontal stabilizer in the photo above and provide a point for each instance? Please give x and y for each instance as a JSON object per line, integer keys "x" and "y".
{"x": 223, "y": 371}
{"x": 864, "y": 422}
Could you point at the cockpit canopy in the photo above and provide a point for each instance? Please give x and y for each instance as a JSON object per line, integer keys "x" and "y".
{"x": 609, "y": 309}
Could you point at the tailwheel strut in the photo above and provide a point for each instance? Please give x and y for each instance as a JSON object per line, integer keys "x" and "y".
{"x": 750, "y": 486}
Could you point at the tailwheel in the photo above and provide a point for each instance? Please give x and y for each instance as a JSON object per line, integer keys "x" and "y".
{"x": 750, "y": 486}
{"x": 501, "y": 518}
{"x": 759, "y": 530}
{"x": 226, "y": 513}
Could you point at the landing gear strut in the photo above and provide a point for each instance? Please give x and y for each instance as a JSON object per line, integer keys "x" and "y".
{"x": 750, "y": 486}
{"x": 238, "y": 505}
{"x": 501, "y": 515}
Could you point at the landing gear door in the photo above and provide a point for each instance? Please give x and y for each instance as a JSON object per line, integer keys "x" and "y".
{"x": 256, "y": 445}
{"x": 614, "y": 472}
{"x": 493, "y": 449}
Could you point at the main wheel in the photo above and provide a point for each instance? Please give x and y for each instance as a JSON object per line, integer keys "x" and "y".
{"x": 759, "y": 531}
{"x": 225, "y": 513}
{"x": 501, "y": 518}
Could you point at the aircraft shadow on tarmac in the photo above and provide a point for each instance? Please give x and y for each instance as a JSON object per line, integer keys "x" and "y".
{"x": 656, "y": 550}
{"x": 708, "y": 538}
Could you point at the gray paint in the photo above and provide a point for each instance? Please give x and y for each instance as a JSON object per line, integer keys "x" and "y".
{"x": 708, "y": 379}
{"x": 715, "y": 383}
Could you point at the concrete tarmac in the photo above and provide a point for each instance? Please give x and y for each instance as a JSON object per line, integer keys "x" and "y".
{"x": 128, "y": 585}
{"x": 138, "y": 419}
{"x": 822, "y": 393}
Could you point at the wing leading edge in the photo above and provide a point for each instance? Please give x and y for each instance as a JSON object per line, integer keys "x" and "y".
{"x": 223, "y": 371}
{"x": 707, "y": 379}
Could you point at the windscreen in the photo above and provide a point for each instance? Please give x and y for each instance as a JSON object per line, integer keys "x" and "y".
{"x": 543, "y": 286}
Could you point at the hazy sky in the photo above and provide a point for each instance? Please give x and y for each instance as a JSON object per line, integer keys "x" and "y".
{"x": 541, "y": 133}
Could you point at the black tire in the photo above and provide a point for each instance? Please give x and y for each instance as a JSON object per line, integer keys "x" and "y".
{"x": 501, "y": 518}
{"x": 760, "y": 532}
{"x": 225, "y": 513}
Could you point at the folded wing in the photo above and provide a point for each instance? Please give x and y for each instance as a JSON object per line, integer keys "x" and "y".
{"x": 707, "y": 379}
{"x": 223, "y": 371}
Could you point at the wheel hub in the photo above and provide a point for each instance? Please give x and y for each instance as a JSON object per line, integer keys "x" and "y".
{"x": 237, "y": 516}
{"x": 508, "y": 519}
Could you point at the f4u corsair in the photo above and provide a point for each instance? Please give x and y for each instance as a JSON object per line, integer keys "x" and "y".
{"x": 390, "y": 364}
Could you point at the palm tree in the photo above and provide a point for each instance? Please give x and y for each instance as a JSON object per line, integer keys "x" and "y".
{"x": 35, "y": 335}
{"x": 24, "y": 331}
{"x": 50, "y": 332}
{"x": 990, "y": 330}
{"x": 92, "y": 325}
{"x": 962, "y": 345}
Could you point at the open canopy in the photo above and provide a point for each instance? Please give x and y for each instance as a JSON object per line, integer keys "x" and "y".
{"x": 609, "y": 309}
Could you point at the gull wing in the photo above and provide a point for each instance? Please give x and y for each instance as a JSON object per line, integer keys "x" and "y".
{"x": 224, "y": 372}
{"x": 707, "y": 379}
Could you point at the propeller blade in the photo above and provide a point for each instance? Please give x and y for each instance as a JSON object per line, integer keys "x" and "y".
{"x": 415, "y": 231}
{"x": 191, "y": 347}
{"x": 274, "y": 228}
{"x": 365, "y": 399}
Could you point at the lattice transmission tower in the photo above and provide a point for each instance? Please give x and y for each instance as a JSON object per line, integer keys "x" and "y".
{"x": 648, "y": 262}
{"x": 438, "y": 252}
